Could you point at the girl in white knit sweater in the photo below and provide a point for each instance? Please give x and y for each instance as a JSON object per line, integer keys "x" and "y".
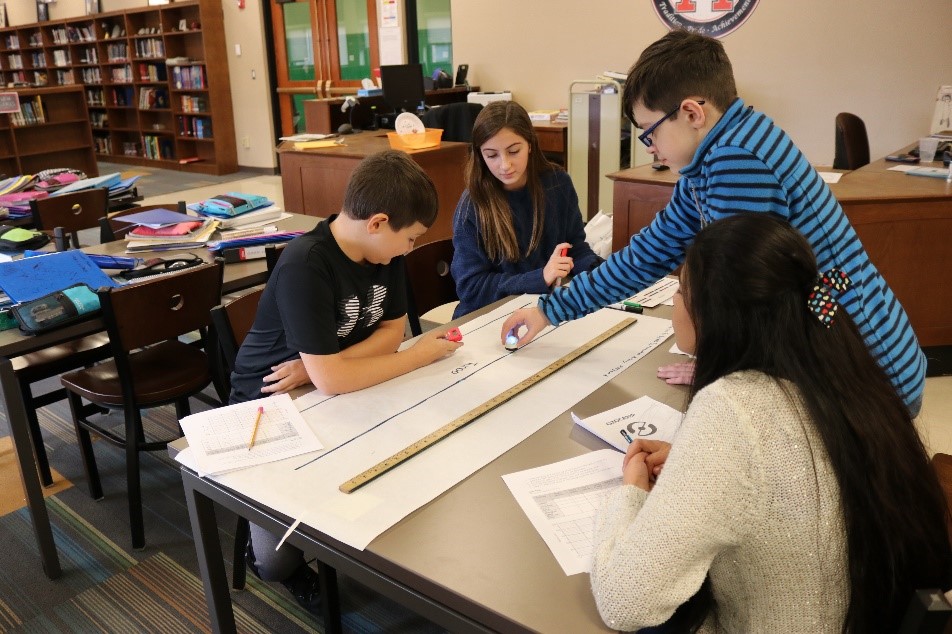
{"x": 797, "y": 496}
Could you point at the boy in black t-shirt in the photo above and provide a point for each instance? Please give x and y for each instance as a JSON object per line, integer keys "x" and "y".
{"x": 334, "y": 313}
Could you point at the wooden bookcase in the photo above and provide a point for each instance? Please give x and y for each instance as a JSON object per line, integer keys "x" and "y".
{"x": 52, "y": 130}
{"x": 155, "y": 81}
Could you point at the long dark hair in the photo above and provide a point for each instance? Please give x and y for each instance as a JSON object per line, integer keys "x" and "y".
{"x": 747, "y": 278}
{"x": 487, "y": 193}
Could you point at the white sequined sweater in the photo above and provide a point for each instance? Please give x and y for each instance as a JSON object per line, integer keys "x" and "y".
{"x": 748, "y": 496}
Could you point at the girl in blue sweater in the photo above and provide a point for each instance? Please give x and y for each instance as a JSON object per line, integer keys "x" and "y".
{"x": 517, "y": 217}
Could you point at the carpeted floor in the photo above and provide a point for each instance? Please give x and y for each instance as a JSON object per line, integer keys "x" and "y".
{"x": 156, "y": 182}
{"x": 107, "y": 587}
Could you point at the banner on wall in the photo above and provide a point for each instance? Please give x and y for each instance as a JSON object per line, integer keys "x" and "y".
{"x": 715, "y": 18}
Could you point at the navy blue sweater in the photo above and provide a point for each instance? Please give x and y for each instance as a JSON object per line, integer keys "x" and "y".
{"x": 480, "y": 281}
{"x": 746, "y": 163}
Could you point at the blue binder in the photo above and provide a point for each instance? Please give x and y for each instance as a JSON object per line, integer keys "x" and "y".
{"x": 29, "y": 278}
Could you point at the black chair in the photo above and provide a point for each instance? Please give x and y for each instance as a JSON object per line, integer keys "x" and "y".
{"x": 64, "y": 216}
{"x": 929, "y": 612}
{"x": 852, "y": 143}
{"x": 271, "y": 254}
{"x": 429, "y": 282}
{"x": 455, "y": 119}
{"x": 112, "y": 229}
{"x": 150, "y": 367}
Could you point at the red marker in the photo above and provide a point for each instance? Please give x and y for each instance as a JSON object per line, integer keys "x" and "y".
{"x": 564, "y": 252}
{"x": 453, "y": 334}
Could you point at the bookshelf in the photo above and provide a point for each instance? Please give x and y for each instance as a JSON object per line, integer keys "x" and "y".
{"x": 51, "y": 130}
{"x": 154, "y": 81}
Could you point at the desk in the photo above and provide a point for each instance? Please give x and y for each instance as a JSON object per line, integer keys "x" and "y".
{"x": 324, "y": 116}
{"x": 553, "y": 138}
{"x": 469, "y": 560}
{"x": 904, "y": 222}
{"x": 314, "y": 181}
{"x": 14, "y": 343}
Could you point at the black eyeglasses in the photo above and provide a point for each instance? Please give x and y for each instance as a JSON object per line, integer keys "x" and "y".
{"x": 645, "y": 137}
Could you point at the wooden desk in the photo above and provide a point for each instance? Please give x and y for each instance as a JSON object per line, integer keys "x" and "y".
{"x": 553, "y": 139}
{"x": 469, "y": 560}
{"x": 324, "y": 116}
{"x": 904, "y": 223}
{"x": 14, "y": 343}
{"x": 314, "y": 181}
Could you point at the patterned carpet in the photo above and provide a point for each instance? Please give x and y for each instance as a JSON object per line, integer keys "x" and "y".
{"x": 107, "y": 587}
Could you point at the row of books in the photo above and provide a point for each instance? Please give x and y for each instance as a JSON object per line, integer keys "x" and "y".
{"x": 192, "y": 103}
{"x": 61, "y": 57}
{"x": 152, "y": 47}
{"x": 151, "y": 98}
{"x": 31, "y": 112}
{"x": 196, "y": 127}
{"x": 185, "y": 77}
{"x": 121, "y": 74}
{"x": 151, "y": 72}
{"x": 71, "y": 34}
{"x": 156, "y": 147}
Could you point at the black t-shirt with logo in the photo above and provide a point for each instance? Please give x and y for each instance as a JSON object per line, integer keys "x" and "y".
{"x": 317, "y": 301}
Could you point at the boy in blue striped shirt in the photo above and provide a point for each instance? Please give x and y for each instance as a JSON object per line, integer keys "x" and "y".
{"x": 681, "y": 92}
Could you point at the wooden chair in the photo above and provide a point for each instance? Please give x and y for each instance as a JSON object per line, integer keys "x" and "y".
{"x": 429, "y": 283}
{"x": 150, "y": 367}
{"x": 68, "y": 214}
{"x": 852, "y": 143}
{"x": 112, "y": 229}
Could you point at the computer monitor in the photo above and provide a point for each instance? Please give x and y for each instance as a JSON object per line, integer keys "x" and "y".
{"x": 403, "y": 86}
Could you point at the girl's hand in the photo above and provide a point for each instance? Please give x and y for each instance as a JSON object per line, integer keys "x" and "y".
{"x": 643, "y": 462}
{"x": 558, "y": 266}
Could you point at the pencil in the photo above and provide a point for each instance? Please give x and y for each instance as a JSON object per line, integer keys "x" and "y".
{"x": 254, "y": 432}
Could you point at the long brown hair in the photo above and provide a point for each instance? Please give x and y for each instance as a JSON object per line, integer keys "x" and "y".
{"x": 486, "y": 191}
{"x": 748, "y": 277}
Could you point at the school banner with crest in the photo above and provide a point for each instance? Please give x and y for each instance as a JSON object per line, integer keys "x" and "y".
{"x": 715, "y": 18}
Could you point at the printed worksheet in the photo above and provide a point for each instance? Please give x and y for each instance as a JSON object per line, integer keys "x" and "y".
{"x": 641, "y": 418}
{"x": 239, "y": 436}
{"x": 562, "y": 499}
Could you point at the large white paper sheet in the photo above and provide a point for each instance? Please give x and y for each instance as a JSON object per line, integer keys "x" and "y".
{"x": 562, "y": 499}
{"x": 362, "y": 428}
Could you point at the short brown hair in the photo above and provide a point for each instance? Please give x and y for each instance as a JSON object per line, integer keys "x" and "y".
{"x": 391, "y": 182}
{"x": 680, "y": 65}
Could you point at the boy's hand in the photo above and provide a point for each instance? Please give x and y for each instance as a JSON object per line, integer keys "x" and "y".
{"x": 434, "y": 345}
{"x": 532, "y": 318}
{"x": 285, "y": 377}
{"x": 558, "y": 266}
{"x": 643, "y": 462}
{"x": 677, "y": 373}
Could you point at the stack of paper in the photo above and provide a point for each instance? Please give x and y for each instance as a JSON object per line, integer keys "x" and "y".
{"x": 252, "y": 218}
{"x": 165, "y": 230}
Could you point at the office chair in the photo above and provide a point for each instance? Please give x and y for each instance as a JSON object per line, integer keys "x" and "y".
{"x": 852, "y": 143}
{"x": 150, "y": 367}
{"x": 112, "y": 229}
{"x": 455, "y": 119}
{"x": 68, "y": 214}
{"x": 429, "y": 283}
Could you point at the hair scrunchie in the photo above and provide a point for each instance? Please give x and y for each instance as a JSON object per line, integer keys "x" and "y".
{"x": 821, "y": 301}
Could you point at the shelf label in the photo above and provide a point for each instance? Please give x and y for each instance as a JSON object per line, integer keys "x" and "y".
{"x": 9, "y": 102}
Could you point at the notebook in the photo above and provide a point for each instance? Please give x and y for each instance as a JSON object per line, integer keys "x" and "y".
{"x": 29, "y": 278}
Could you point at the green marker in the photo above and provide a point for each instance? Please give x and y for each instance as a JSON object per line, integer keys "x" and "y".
{"x": 632, "y": 307}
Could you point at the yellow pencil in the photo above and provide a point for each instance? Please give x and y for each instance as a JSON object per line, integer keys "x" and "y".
{"x": 254, "y": 432}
